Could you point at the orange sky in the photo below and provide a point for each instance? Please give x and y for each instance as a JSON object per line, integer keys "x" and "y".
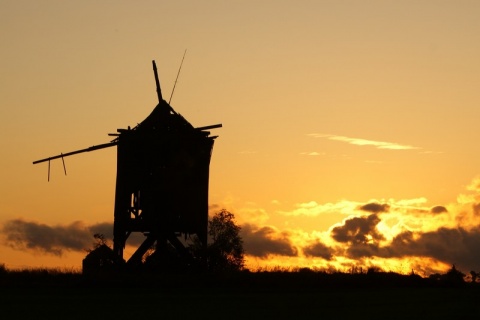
{"x": 327, "y": 106}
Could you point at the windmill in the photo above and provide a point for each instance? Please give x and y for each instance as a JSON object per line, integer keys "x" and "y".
{"x": 161, "y": 184}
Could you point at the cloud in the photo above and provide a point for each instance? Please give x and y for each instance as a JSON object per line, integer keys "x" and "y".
{"x": 77, "y": 236}
{"x": 318, "y": 249}
{"x": 375, "y": 207}
{"x": 415, "y": 202}
{"x": 313, "y": 153}
{"x": 252, "y": 214}
{"x": 105, "y": 228}
{"x": 362, "y": 250}
{"x": 451, "y": 245}
{"x": 358, "y": 230}
{"x": 265, "y": 241}
{"x": 58, "y": 239}
{"x": 313, "y": 208}
{"x": 474, "y": 185}
{"x": 397, "y": 235}
{"x": 364, "y": 142}
{"x": 25, "y": 235}
{"x": 438, "y": 209}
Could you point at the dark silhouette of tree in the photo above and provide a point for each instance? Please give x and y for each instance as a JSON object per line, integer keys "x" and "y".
{"x": 451, "y": 277}
{"x": 3, "y": 269}
{"x": 100, "y": 240}
{"x": 474, "y": 276}
{"x": 454, "y": 276}
{"x": 101, "y": 258}
{"x": 224, "y": 252}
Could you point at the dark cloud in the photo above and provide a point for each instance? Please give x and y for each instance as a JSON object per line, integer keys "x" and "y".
{"x": 25, "y": 235}
{"x": 449, "y": 245}
{"x": 105, "y": 228}
{"x": 28, "y": 235}
{"x": 453, "y": 246}
{"x": 362, "y": 250}
{"x": 264, "y": 241}
{"x": 358, "y": 230}
{"x": 375, "y": 207}
{"x": 476, "y": 209}
{"x": 318, "y": 249}
{"x": 438, "y": 209}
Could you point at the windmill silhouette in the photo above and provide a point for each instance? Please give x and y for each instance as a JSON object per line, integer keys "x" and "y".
{"x": 161, "y": 184}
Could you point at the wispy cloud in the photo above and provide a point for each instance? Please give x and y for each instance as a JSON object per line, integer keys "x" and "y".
{"x": 313, "y": 209}
{"x": 314, "y": 153}
{"x": 365, "y": 142}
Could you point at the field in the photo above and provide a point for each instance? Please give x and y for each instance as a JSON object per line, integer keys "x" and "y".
{"x": 240, "y": 296}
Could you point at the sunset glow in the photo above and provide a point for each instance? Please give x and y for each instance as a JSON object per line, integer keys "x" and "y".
{"x": 349, "y": 127}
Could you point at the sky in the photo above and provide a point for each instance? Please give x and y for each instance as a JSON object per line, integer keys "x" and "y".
{"x": 349, "y": 127}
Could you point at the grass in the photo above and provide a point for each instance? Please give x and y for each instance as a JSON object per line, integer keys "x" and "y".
{"x": 54, "y": 293}
{"x": 376, "y": 303}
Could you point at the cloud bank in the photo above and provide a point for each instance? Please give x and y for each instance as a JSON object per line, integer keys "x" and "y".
{"x": 398, "y": 235}
{"x": 27, "y": 235}
{"x": 390, "y": 234}
{"x": 58, "y": 239}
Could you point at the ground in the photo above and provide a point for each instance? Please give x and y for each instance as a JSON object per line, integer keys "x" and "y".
{"x": 255, "y": 296}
